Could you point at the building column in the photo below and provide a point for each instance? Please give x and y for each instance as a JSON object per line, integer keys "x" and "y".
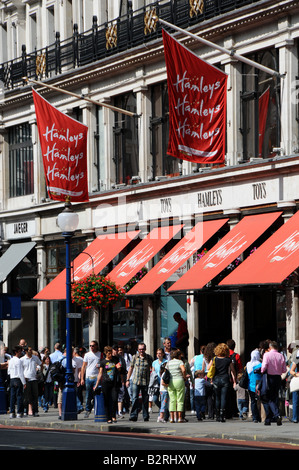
{"x": 238, "y": 323}
{"x": 237, "y": 303}
{"x": 291, "y": 302}
{"x": 42, "y": 323}
{"x": 149, "y": 326}
{"x": 288, "y": 65}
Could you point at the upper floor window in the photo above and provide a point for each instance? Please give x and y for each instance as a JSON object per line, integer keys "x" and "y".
{"x": 162, "y": 164}
{"x": 126, "y": 153}
{"x": 21, "y": 180}
{"x": 260, "y": 124}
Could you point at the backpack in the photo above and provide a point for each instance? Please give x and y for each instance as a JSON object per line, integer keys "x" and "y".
{"x": 57, "y": 371}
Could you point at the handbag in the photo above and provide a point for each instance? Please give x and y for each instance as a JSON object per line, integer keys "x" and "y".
{"x": 294, "y": 384}
{"x": 212, "y": 370}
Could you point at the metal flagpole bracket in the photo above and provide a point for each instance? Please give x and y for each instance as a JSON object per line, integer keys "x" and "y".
{"x": 231, "y": 53}
{"x": 80, "y": 97}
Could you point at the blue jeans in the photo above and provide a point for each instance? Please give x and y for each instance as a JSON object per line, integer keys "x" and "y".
{"x": 200, "y": 406}
{"x": 242, "y": 406}
{"x": 221, "y": 386}
{"x": 271, "y": 401}
{"x": 16, "y": 396}
{"x": 295, "y": 400}
{"x": 254, "y": 407}
{"x": 89, "y": 384}
{"x": 136, "y": 389}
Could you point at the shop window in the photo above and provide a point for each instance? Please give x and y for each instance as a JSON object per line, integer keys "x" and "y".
{"x": 162, "y": 164}
{"x": 23, "y": 278}
{"x": 125, "y": 138}
{"x": 21, "y": 181}
{"x": 259, "y": 103}
{"x": 56, "y": 255}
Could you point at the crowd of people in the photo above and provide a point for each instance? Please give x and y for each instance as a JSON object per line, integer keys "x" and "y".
{"x": 214, "y": 384}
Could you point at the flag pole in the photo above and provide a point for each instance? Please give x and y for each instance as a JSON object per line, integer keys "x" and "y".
{"x": 231, "y": 53}
{"x": 81, "y": 97}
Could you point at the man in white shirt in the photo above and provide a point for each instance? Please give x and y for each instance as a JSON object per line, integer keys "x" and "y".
{"x": 31, "y": 363}
{"x": 17, "y": 383}
{"x": 89, "y": 373}
{"x": 57, "y": 354}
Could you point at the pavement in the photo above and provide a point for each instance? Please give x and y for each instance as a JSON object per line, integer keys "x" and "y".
{"x": 287, "y": 435}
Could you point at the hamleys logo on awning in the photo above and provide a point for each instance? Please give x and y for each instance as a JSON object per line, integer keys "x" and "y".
{"x": 230, "y": 248}
{"x": 285, "y": 249}
{"x": 177, "y": 257}
{"x": 138, "y": 259}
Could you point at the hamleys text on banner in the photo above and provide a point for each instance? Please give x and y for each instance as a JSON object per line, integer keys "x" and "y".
{"x": 64, "y": 150}
{"x": 197, "y": 105}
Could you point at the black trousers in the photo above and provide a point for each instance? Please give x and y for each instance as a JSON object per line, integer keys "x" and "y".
{"x": 110, "y": 392}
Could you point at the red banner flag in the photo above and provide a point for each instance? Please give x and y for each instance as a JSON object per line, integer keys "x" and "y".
{"x": 263, "y": 112}
{"x": 197, "y": 105}
{"x": 64, "y": 149}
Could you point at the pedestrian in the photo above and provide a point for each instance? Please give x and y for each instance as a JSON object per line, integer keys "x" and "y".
{"x": 232, "y": 406}
{"x": 155, "y": 396}
{"x": 140, "y": 369}
{"x": 224, "y": 372}
{"x": 176, "y": 388}
{"x": 189, "y": 383}
{"x": 23, "y": 344}
{"x": 242, "y": 398}
{"x": 274, "y": 366}
{"x": 48, "y": 383}
{"x": 30, "y": 363}
{"x": 57, "y": 354}
{"x": 77, "y": 381}
{"x": 108, "y": 377}
{"x": 294, "y": 372}
{"x": 209, "y": 354}
{"x": 182, "y": 339}
{"x": 164, "y": 396}
{"x": 167, "y": 348}
{"x": 124, "y": 397}
{"x": 89, "y": 374}
{"x": 200, "y": 394}
{"x": 121, "y": 380}
{"x": 17, "y": 382}
{"x": 61, "y": 385}
{"x": 253, "y": 368}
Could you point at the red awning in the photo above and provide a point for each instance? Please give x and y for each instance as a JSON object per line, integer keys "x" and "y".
{"x": 94, "y": 258}
{"x": 144, "y": 252}
{"x": 273, "y": 261}
{"x": 225, "y": 251}
{"x": 183, "y": 250}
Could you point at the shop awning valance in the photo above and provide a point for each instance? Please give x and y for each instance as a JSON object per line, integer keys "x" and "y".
{"x": 232, "y": 245}
{"x": 176, "y": 257}
{"x": 13, "y": 256}
{"x": 273, "y": 261}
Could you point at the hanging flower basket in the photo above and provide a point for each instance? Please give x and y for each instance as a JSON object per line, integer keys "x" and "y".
{"x": 96, "y": 291}
{"x": 135, "y": 279}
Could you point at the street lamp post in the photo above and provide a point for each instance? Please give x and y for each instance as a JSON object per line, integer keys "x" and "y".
{"x": 68, "y": 222}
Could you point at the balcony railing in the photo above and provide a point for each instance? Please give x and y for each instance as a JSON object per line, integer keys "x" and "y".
{"x": 134, "y": 29}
